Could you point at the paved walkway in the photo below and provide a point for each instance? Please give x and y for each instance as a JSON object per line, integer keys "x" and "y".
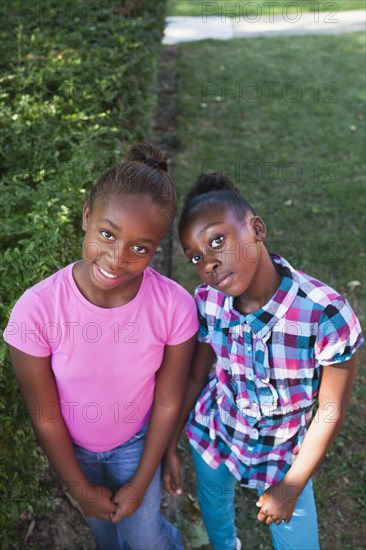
{"x": 186, "y": 29}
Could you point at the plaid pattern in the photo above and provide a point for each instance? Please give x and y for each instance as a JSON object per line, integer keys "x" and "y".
{"x": 253, "y": 413}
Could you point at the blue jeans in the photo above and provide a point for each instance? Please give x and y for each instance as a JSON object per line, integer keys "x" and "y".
{"x": 216, "y": 491}
{"x": 146, "y": 529}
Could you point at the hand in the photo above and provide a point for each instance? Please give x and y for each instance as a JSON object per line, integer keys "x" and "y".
{"x": 128, "y": 499}
{"x": 97, "y": 501}
{"x": 171, "y": 474}
{"x": 278, "y": 503}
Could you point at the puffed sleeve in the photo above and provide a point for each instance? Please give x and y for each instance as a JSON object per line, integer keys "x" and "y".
{"x": 339, "y": 333}
{"x": 26, "y": 329}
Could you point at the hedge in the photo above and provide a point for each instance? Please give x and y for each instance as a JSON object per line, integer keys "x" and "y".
{"x": 78, "y": 88}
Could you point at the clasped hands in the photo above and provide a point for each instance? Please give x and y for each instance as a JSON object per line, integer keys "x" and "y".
{"x": 101, "y": 503}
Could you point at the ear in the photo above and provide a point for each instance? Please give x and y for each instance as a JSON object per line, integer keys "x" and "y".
{"x": 259, "y": 228}
{"x": 86, "y": 217}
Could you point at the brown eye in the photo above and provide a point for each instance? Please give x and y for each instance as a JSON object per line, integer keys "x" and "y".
{"x": 139, "y": 249}
{"x": 215, "y": 243}
{"x": 107, "y": 235}
{"x": 195, "y": 259}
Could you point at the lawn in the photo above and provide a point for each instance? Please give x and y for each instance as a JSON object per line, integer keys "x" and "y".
{"x": 248, "y": 8}
{"x": 285, "y": 118}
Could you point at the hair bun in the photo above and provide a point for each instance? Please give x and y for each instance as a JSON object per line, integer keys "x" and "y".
{"x": 207, "y": 183}
{"x": 151, "y": 162}
{"x": 148, "y": 154}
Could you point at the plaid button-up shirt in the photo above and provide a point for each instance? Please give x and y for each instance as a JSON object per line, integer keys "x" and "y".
{"x": 253, "y": 413}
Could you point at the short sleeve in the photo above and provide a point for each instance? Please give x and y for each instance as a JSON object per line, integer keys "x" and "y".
{"x": 339, "y": 333}
{"x": 184, "y": 323}
{"x": 26, "y": 327}
{"x": 200, "y": 297}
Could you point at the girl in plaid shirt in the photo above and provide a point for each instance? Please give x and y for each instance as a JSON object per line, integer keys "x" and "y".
{"x": 280, "y": 339}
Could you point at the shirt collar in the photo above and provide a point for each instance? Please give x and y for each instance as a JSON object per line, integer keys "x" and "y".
{"x": 262, "y": 320}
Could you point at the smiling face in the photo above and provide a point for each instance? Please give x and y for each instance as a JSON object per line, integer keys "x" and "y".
{"x": 227, "y": 252}
{"x": 121, "y": 237}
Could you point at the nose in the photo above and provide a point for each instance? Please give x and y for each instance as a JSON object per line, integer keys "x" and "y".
{"x": 117, "y": 257}
{"x": 211, "y": 263}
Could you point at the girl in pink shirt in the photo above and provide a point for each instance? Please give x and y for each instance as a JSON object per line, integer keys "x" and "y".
{"x": 101, "y": 351}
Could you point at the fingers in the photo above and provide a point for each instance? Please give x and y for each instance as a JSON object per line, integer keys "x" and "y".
{"x": 177, "y": 482}
{"x": 172, "y": 485}
{"x": 115, "y": 517}
{"x": 121, "y": 513}
{"x": 167, "y": 484}
{"x": 261, "y": 516}
{"x": 172, "y": 479}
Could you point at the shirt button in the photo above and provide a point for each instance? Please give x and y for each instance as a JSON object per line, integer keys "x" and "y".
{"x": 250, "y": 448}
{"x": 250, "y": 377}
{"x": 255, "y": 432}
{"x": 249, "y": 348}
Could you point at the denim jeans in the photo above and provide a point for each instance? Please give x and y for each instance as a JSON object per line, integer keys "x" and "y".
{"x": 146, "y": 529}
{"x": 216, "y": 490}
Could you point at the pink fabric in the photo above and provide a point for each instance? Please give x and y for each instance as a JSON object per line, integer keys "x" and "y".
{"x": 104, "y": 360}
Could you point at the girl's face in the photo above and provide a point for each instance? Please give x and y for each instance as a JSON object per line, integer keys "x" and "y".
{"x": 121, "y": 237}
{"x": 225, "y": 251}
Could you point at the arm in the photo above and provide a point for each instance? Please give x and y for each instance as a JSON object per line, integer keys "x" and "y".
{"x": 203, "y": 359}
{"x": 279, "y": 501}
{"x": 39, "y": 390}
{"x": 168, "y": 398}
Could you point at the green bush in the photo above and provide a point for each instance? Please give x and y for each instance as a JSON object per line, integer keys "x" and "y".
{"x": 78, "y": 88}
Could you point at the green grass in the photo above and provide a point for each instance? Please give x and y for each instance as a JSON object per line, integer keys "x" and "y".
{"x": 313, "y": 200}
{"x": 248, "y": 8}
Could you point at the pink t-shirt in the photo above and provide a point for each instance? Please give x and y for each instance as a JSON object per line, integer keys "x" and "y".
{"x": 104, "y": 360}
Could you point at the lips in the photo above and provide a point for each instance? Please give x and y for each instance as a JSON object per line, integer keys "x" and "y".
{"x": 105, "y": 276}
{"x": 223, "y": 280}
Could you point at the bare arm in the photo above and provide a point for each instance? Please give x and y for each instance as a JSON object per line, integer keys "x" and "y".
{"x": 168, "y": 398}
{"x": 38, "y": 387}
{"x": 279, "y": 501}
{"x": 203, "y": 359}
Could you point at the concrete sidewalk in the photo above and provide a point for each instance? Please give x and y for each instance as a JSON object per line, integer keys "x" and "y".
{"x": 186, "y": 29}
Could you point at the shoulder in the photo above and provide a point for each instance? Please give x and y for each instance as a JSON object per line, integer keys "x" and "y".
{"x": 310, "y": 290}
{"x": 44, "y": 291}
{"x": 55, "y": 280}
{"x": 208, "y": 299}
{"x": 317, "y": 291}
{"x": 329, "y": 307}
{"x": 178, "y": 318}
{"x": 35, "y": 309}
{"x": 170, "y": 290}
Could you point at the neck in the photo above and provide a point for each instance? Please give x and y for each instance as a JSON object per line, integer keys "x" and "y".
{"x": 263, "y": 287}
{"x": 105, "y": 298}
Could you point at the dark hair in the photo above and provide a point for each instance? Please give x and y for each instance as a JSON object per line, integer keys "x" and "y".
{"x": 144, "y": 172}
{"x": 213, "y": 189}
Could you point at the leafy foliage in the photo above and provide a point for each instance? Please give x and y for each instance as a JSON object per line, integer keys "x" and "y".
{"x": 77, "y": 90}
